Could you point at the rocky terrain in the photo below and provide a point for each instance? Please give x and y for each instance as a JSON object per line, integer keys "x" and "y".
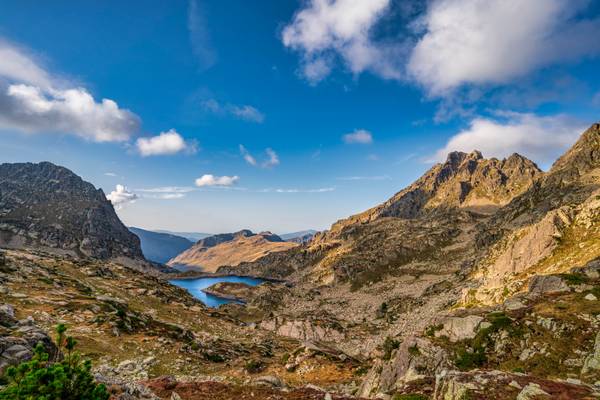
{"x": 479, "y": 281}
{"x": 49, "y": 207}
{"x": 466, "y": 238}
{"x": 230, "y": 249}
{"x": 160, "y": 247}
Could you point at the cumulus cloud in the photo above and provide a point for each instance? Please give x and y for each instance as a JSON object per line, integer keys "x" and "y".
{"x": 540, "y": 138}
{"x": 166, "y": 143}
{"x": 34, "y": 101}
{"x": 211, "y": 180}
{"x": 271, "y": 160}
{"x": 443, "y": 45}
{"x": 244, "y": 112}
{"x": 121, "y": 196}
{"x": 325, "y": 29}
{"x": 466, "y": 41}
{"x": 359, "y": 136}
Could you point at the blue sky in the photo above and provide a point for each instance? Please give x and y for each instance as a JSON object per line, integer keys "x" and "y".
{"x": 338, "y": 104}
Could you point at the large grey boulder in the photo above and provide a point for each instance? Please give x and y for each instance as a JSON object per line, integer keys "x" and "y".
{"x": 460, "y": 328}
{"x": 547, "y": 284}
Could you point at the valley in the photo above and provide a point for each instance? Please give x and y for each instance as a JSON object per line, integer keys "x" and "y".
{"x": 479, "y": 280}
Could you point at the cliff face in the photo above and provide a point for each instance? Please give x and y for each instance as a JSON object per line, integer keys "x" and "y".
{"x": 230, "y": 249}
{"x": 47, "y": 206}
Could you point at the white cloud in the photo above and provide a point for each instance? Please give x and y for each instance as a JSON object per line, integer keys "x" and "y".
{"x": 121, "y": 196}
{"x": 272, "y": 160}
{"x": 325, "y": 29}
{"x": 440, "y": 44}
{"x": 211, "y": 180}
{"x": 166, "y": 143}
{"x": 468, "y": 42}
{"x": 244, "y": 112}
{"x": 34, "y": 101}
{"x": 110, "y": 174}
{"x": 540, "y": 138}
{"x": 359, "y": 136}
{"x": 19, "y": 66}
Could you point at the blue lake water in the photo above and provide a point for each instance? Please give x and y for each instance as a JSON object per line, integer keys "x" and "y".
{"x": 195, "y": 286}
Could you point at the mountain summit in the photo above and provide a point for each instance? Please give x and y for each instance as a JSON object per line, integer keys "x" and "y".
{"x": 49, "y": 207}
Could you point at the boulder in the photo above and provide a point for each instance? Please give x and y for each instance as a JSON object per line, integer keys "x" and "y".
{"x": 592, "y": 362}
{"x": 460, "y": 328}
{"x": 7, "y": 315}
{"x": 547, "y": 284}
{"x": 532, "y": 391}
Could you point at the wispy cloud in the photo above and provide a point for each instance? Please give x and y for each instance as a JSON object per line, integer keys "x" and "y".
{"x": 244, "y": 112}
{"x": 294, "y": 190}
{"x": 359, "y": 136}
{"x": 271, "y": 160}
{"x": 199, "y": 35}
{"x": 167, "y": 189}
{"x": 365, "y": 178}
{"x": 110, "y": 174}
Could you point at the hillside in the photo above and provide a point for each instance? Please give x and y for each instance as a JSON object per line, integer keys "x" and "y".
{"x": 49, "y": 207}
{"x": 472, "y": 266}
{"x": 160, "y": 247}
{"x": 212, "y": 252}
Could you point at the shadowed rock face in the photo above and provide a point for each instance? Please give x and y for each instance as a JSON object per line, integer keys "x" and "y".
{"x": 47, "y": 206}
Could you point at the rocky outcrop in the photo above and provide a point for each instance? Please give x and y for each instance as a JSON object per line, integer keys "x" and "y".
{"x": 19, "y": 338}
{"x": 230, "y": 249}
{"x": 47, "y": 206}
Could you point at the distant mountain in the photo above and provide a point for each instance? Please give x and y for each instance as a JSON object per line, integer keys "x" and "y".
{"x": 161, "y": 247}
{"x": 191, "y": 236}
{"x": 49, "y": 207}
{"x": 230, "y": 249}
{"x": 300, "y": 236}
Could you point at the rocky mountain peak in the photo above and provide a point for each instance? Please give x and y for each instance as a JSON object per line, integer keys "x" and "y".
{"x": 48, "y": 206}
{"x": 464, "y": 180}
{"x": 582, "y": 157}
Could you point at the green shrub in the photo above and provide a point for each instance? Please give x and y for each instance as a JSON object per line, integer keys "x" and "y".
{"x": 45, "y": 379}
{"x": 411, "y": 396}
{"x": 389, "y": 345}
{"x": 254, "y": 366}
{"x": 466, "y": 360}
{"x": 574, "y": 279}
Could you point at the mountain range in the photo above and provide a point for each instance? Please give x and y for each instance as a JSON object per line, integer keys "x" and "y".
{"x": 161, "y": 247}
{"x": 479, "y": 280}
{"x": 210, "y": 253}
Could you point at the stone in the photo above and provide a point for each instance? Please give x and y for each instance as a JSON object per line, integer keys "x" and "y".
{"x": 460, "y": 328}
{"x": 269, "y": 380}
{"x": 590, "y": 297}
{"x": 592, "y": 362}
{"x": 7, "y": 315}
{"x": 532, "y": 391}
{"x": 546, "y": 284}
{"x": 175, "y": 396}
